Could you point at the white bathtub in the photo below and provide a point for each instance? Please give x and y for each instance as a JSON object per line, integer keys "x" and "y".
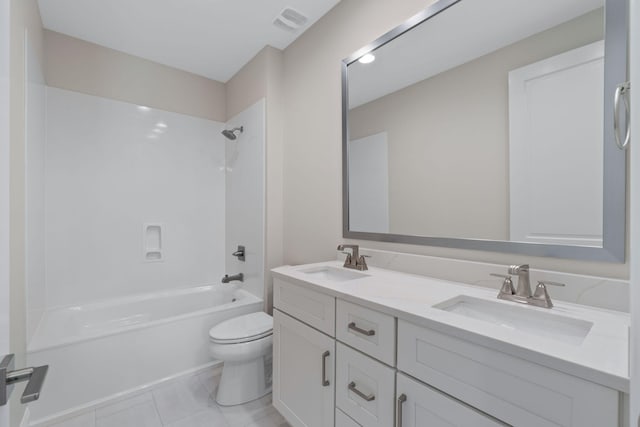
{"x": 99, "y": 351}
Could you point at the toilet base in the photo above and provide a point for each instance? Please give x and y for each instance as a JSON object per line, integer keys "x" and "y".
{"x": 242, "y": 382}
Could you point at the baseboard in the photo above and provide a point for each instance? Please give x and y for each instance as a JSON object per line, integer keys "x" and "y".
{"x": 79, "y": 410}
{"x": 26, "y": 418}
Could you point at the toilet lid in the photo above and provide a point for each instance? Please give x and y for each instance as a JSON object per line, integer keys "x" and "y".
{"x": 242, "y": 328}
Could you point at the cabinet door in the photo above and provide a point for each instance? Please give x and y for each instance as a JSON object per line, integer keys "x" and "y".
{"x": 303, "y": 373}
{"x": 419, "y": 405}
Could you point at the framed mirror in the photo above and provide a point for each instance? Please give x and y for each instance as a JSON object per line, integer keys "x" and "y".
{"x": 489, "y": 126}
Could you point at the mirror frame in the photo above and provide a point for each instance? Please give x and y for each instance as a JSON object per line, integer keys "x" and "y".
{"x": 614, "y": 189}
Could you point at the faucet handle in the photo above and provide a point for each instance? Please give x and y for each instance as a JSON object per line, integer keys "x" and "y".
{"x": 541, "y": 293}
{"x": 548, "y": 282}
{"x": 507, "y": 285}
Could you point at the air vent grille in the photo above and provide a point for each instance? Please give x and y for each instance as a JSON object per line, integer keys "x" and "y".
{"x": 290, "y": 20}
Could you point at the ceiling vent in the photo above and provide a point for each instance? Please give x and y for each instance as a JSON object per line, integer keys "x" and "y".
{"x": 290, "y": 20}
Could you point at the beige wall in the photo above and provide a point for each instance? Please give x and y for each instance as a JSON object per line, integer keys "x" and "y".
{"x": 262, "y": 77}
{"x": 312, "y": 157}
{"x": 25, "y": 19}
{"x": 426, "y": 138}
{"x": 85, "y": 67}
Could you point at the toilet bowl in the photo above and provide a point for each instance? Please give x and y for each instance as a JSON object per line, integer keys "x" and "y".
{"x": 244, "y": 344}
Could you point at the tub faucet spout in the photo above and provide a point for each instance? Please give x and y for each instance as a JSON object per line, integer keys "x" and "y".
{"x": 227, "y": 278}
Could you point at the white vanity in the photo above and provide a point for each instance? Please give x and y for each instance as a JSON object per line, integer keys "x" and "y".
{"x": 381, "y": 348}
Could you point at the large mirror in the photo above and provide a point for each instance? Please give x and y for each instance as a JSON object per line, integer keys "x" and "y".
{"x": 489, "y": 125}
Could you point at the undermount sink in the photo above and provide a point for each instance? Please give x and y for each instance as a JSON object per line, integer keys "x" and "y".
{"x": 333, "y": 274}
{"x": 516, "y": 318}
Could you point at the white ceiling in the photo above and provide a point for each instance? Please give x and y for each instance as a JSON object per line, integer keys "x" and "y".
{"x": 465, "y": 31}
{"x": 212, "y": 38}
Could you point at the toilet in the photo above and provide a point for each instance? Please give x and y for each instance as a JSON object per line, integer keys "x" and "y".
{"x": 244, "y": 344}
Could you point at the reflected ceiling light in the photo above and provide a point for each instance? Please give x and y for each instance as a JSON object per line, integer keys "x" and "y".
{"x": 162, "y": 125}
{"x": 158, "y": 130}
{"x": 143, "y": 108}
{"x": 367, "y": 58}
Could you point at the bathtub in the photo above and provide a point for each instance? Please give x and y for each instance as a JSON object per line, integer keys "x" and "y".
{"x": 101, "y": 351}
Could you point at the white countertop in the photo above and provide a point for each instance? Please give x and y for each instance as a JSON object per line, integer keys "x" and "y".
{"x": 603, "y": 356}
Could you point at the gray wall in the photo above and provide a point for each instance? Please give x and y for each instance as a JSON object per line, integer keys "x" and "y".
{"x": 80, "y": 66}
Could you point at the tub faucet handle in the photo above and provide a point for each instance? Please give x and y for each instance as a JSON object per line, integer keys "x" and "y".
{"x": 239, "y": 253}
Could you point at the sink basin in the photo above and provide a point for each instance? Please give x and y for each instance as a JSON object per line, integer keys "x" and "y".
{"x": 515, "y": 318}
{"x": 333, "y": 274}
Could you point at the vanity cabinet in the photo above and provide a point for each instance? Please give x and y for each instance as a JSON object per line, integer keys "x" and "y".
{"x": 303, "y": 373}
{"x": 337, "y": 363}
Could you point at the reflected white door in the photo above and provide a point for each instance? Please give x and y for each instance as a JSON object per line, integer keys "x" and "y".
{"x": 555, "y": 149}
{"x": 369, "y": 184}
{"x": 4, "y": 190}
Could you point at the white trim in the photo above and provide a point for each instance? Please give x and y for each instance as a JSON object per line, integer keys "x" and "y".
{"x": 88, "y": 407}
{"x": 634, "y": 191}
{"x": 5, "y": 20}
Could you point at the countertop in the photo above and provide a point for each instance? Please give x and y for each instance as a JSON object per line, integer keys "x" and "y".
{"x": 602, "y": 357}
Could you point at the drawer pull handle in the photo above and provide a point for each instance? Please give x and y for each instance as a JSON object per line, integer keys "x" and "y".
{"x": 401, "y": 399}
{"x": 367, "y": 397}
{"x": 325, "y": 381}
{"x": 365, "y": 332}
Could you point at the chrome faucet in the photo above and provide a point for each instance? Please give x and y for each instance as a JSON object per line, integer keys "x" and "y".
{"x": 227, "y": 278}
{"x": 353, "y": 260}
{"x": 522, "y": 294}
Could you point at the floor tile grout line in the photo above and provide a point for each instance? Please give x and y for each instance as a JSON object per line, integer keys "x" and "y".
{"x": 155, "y": 406}
{"x": 95, "y": 411}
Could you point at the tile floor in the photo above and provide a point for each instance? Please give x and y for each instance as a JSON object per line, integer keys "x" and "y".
{"x": 184, "y": 402}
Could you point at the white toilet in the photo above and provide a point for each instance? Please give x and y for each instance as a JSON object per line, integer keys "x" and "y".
{"x": 244, "y": 344}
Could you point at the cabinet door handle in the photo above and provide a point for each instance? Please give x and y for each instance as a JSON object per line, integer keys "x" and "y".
{"x": 364, "y": 332}
{"x": 401, "y": 399}
{"x": 367, "y": 397}
{"x": 622, "y": 91}
{"x": 325, "y": 381}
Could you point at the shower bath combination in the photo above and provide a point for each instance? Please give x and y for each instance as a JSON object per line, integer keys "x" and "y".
{"x": 231, "y": 134}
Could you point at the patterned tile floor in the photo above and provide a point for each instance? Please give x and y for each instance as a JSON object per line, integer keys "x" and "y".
{"x": 184, "y": 402}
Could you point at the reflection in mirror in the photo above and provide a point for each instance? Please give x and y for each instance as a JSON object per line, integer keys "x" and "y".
{"x": 484, "y": 122}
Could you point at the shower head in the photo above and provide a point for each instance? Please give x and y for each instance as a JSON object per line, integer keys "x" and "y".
{"x": 231, "y": 134}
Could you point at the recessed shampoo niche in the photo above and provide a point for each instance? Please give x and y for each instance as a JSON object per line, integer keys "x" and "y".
{"x": 152, "y": 242}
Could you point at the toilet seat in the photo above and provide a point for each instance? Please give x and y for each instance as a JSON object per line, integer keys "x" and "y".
{"x": 241, "y": 329}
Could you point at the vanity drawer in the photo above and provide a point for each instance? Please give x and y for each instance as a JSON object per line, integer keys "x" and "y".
{"x": 513, "y": 390}
{"x": 364, "y": 388}
{"x": 311, "y": 307}
{"x": 372, "y": 332}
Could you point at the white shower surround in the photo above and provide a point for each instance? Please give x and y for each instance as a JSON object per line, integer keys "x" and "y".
{"x": 114, "y": 322}
{"x": 245, "y": 197}
{"x": 112, "y": 167}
